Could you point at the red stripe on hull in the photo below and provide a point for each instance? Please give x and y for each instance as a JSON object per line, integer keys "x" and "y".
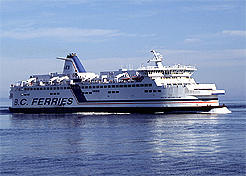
{"x": 149, "y": 103}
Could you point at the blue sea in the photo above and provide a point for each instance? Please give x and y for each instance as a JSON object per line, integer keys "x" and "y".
{"x": 124, "y": 144}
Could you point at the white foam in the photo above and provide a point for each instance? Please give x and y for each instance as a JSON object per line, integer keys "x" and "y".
{"x": 98, "y": 113}
{"x": 223, "y": 110}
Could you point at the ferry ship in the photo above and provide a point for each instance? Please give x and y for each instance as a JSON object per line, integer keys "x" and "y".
{"x": 148, "y": 89}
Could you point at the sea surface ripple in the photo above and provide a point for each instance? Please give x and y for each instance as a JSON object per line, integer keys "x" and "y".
{"x": 124, "y": 144}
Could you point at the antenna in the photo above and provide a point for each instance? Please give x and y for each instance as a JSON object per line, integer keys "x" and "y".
{"x": 157, "y": 58}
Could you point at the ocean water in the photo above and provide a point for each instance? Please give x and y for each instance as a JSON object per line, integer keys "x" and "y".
{"x": 124, "y": 144}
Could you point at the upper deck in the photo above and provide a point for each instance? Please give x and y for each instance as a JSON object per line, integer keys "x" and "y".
{"x": 74, "y": 72}
{"x": 158, "y": 70}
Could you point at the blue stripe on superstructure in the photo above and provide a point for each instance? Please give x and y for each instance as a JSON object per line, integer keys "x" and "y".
{"x": 153, "y": 100}
{"x": 78, "y": 64}
{"x": 78, "y": 93}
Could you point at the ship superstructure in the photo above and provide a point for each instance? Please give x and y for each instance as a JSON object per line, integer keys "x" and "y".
{"x": 155, "y": 88}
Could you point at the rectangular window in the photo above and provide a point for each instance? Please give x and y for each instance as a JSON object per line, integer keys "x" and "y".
{"x": 86, "y": 87}
{"x": 145, "y": 85}
{"x": 125, "y": 85}
{"x": 93, "y": 87}
{"x": 101, "y": 86}
{"x": 109, "y": 91}
{"x": 82, "y": 87}
{"x": 113, "y": 86}
{"x": 137, "y": 85}
{"x": 95, "y": 90}
{"x": 150, "y": 91}
{"x": 57, "y": 88}
{"x": 121, "y": 85}
{"x": 133, "y": 85}
{"x": 117, "y": 91}
{"x": 145, "y": 91}
{"x": 113, "y": 91}
{"x": 159, "y": 90}
{"x": 150, "y": 85}
{"x": 97, "y": 86}
{"x": 117, "y": 86}
{"x": 105, "y": 86}
{"x": 154, "y": 90}
{"x": 141, "y": 85}
{"x": 90, "y": 92}
{"x": 129, "y": 85}
{"x": 89, "y": 87}
{"x": 109, "y": 86}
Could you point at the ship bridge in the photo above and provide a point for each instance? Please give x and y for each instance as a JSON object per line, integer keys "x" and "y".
{"x": 158, "y": 70}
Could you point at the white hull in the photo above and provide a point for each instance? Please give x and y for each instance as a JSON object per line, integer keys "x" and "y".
{"x": 154, "y": 89}
{"x": 127, "y": 97}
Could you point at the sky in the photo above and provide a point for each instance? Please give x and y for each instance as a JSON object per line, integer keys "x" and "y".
{"x": 112, "y": 34}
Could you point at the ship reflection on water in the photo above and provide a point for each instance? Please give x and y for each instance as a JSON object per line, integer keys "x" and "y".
{"x": 113, "y": 144}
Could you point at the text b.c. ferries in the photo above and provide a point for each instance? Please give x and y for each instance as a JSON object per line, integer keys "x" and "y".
{"x": 155, "y": 88}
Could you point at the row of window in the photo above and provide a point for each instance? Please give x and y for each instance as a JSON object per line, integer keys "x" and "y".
{"x": 95, "y": 90}
{"x": 25, "y": 94}
{"x": 170, "y": 71}
{"x": 187, "y": 77}
{"x": 113, "y": 91}
{"x": 55, "y": 93}
{"x": 89, "y": 87}
{"x": 47, "y": 88}
{"x": 116, "y": 86}
{"x": 150, "y": 91}
{"x": 99, "y": 91}
{"x": 86, "y": 92}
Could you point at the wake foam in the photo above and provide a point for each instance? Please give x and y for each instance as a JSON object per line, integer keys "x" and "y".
{"x": 99, "y": 113}
{"x": 223, "y": 110}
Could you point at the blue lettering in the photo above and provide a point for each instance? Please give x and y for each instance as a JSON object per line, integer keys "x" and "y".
{"x": 70, "y": 101}
{"x": 40, "y": 101}
{"x": 47, "y": 101}
{"x": 16, "y": 102}
{"x": 63, "y": 102}
{"x": 23, "y": 101}
{"x": 54, "y": 101}
{"x": 35, "y": 100}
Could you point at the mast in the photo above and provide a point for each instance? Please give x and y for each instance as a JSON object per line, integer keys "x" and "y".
{"x": 157, "y": 59}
